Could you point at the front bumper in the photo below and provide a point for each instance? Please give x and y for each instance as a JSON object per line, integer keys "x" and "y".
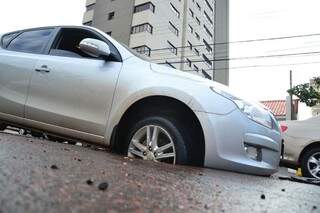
{"x": 226, "y": 137}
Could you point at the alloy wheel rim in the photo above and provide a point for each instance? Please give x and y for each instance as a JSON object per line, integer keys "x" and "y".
{"x": 152, "y": 143}
{"x": 314, "y": 165}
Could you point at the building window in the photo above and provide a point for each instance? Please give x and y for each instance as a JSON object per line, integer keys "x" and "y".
{"x": 173, "y": 29}
{"x": 196, "y": 68}
{"x": 111, "y": 16}
{"x": 170, "y": 65}
{"x": 146, "y": 27}
{"x": 197, "y": 36}
{"x": 191, "y": 13}
{"x": 189, "y": 62}
{"x": 89, "y": 23}
{"x": 206, "y": 75}
{"x": 174, "y": 10}
{"x": 143, "y": 50}
{"x": 172, "y": 48}
{"x": 208, "y": 17}
{"x": 90, "y": 7}
{"x": 198, "y": 6}
{"x": 190, "y": 29}
{"x": 197, "y": 51}
{"x": 190, "y": 45}
{"x": 208, "y": 31}
{"x": 198, "y": 21}
{"x": 207, "y": 60}
{"x": 209, "y": 6}
{"x": 143, "y": 7}
{"x": 207, "y": 46}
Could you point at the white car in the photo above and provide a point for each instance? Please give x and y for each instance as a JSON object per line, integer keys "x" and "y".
{"x": 302, "y": 145}
{"x": 79, "y": 83}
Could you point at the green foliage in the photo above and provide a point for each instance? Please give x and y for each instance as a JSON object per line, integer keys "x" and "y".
{"x": 308, "y": 94}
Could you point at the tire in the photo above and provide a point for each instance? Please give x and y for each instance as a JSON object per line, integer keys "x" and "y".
{"x": 72, "y": 142}
{"x": 36, "y": 134}
{"x": 308, "y": 166}
{"x": 3, "y": 126}
{"x": 167, "y": 122}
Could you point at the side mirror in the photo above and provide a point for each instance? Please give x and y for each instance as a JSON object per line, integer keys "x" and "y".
{"x": 94, "y": 47}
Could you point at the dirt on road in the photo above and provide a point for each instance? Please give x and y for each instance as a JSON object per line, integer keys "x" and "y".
{"x": 42, "y": 176}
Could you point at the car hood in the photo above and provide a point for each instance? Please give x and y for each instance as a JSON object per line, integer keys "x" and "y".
{"x": 190, "y": 77}
{"x": 195, "y": 79}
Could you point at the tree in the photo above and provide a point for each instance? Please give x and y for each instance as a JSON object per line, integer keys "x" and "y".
{"x": 307, "y": 93}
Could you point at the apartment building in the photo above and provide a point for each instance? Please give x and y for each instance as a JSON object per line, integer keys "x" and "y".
{"x": 176, "y": 33}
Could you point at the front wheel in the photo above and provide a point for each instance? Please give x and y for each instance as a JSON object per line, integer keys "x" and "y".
{"x": 160, "y": 139}
{"x": 311, "y": 163}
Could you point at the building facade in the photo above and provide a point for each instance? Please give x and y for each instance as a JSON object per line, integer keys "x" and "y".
{"x": 177, "y": 33}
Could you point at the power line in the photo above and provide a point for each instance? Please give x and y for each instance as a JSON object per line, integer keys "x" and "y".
{"x": 253, "y": 57}
{"x": 257, "y": 66}
{"x": 245, "y": 41}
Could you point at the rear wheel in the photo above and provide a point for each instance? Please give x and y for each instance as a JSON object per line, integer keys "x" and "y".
{"x": 311, "y": 163}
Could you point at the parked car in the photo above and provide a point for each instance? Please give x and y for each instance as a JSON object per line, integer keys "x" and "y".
{"x": 302, "y": 145}
{"x": 79, "y": 83}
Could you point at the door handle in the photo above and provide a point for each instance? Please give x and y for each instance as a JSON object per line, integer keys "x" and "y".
{"x": 43, "y": 68}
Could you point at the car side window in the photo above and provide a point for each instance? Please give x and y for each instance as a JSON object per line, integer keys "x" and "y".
{"x": 7, "y": 38}
{"x": 31, "y": 41}
{"x": 67, "y": 44}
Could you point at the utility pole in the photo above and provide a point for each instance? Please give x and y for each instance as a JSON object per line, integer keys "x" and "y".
{"x": 291, "y": 100}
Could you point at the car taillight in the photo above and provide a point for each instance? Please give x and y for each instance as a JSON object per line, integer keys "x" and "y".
{"x": 283, "y": 128}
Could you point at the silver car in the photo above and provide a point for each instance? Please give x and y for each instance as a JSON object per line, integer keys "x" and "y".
{"x": 79, "y": 83}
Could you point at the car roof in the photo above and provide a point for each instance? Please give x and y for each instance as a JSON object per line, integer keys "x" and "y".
{"x": 54, "y": 26}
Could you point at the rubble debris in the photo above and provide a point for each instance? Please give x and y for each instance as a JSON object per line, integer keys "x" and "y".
{"x": 103, "y": 186}
{"x": 54, "y": 167}
{"x": 89, "y": 182}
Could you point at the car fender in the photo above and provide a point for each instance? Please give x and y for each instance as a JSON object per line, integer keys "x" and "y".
{"x": 120, "y": 107}
{"x": 137, "y": 81}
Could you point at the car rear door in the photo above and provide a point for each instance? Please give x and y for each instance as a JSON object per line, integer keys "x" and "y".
{"x": 19, "y": 53}
{"x": 74, "y": 93}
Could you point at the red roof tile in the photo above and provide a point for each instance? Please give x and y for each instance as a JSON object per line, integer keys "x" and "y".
{"x": 278, "y": 107}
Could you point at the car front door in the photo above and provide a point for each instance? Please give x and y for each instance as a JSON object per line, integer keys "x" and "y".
{"x": 72, "y": 91}
{"x": 19, "y": 53}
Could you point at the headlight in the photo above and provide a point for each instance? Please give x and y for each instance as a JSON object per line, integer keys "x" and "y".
{"x": 253, "y": 111}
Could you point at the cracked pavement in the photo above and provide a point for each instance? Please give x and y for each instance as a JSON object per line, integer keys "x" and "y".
{"x": 43, "y": 176}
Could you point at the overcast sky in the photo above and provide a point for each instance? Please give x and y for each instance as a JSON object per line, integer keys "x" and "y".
{"x": 249, "y": 19}
{"x": 252, "y": 19}
{"x": 20, "y": 14}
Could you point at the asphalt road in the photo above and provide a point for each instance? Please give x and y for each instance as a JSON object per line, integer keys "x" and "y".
{"x": 43, "y": 176}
